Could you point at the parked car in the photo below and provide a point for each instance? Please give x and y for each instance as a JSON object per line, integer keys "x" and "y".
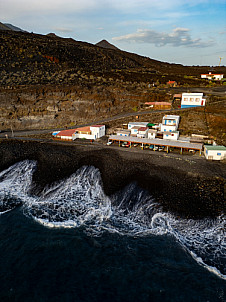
{"x": 135, "y": 145}
{"x": 155, "y": 148}
{"x": 161, "y": 148}
{"x": 124, "y": 144}
{"x": 109, "y": 143}
{"x": 127, "y": 145}
{"x": 151, "y": 147}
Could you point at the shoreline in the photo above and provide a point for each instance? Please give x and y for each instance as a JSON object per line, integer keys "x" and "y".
{"x": 189, "y": 188}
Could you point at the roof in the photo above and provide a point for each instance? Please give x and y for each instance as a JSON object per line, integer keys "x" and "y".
{"x": 192, "y": 93}
{"x": 143, "y": 128}
{"x": 159, "y": 142}
{"x": 171, "y": 82}
{"x": 152, "y": 131}
{"x": 123, "y": 131}
{"x": 138, "y": 123}
{"x": 171, "y": 117}
{"x": 67, "y": 132}
{"x": 217, "y": 148}
{"x": 158, "y": 103}
{"x": 98, "y": 126}
{"x": 177, "y": 95}
{"x": 135, "y": 127}
{"x": 85, "y": 129}
{"x": 212, "y": 74}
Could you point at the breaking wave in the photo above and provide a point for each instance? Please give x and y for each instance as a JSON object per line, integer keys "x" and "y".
{"x": 79, "y": 201}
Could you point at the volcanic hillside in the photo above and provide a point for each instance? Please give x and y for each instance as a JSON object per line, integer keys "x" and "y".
{"x": 27, "y": 59}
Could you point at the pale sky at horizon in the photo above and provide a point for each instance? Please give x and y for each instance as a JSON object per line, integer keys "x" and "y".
{"x": 190, "y": 32}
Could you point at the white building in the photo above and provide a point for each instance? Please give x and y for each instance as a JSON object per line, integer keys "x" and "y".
{"x": 152, "y": 133}
{"x": 172, "y": 120}
{"x": 134, "y": 130}
{"x": 138, "y": 124}
{"x": 174, "y": 135}
{"x": 169, "y": 123}
{"x": 192, "y": 100}
{"x": 215, "y": 152}
{"x": 212, "y": 76}
{"x": 97, "y": 130}
{"x": 143, "y": 132}
{"x": 92, "y": 132}
{"x": 123, "y": 132}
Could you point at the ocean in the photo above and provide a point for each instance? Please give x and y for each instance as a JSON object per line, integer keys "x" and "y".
{"x": 74, "y": 243}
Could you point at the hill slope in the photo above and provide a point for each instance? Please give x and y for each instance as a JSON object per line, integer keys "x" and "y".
{"x": 28, "y": 58}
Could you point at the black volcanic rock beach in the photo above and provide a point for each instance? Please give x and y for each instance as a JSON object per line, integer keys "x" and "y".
{"x": 187, "y": 187}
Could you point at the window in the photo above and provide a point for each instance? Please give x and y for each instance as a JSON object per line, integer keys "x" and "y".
{"x": 167, "y": 135}
{"x": 197, "y": 99}
{"x": 169, "y": 121}
{"x": 170, "y": 131}
{"x": 219, "y": 154}
{"x": 191, "y": 99}
{"x": 164, "y": 129}
{"x": 185, "y": 99}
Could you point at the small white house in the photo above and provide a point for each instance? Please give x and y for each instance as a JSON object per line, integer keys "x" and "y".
{"x": 97, "y": 130}
{"x": 138, "y": 124}
{"x": 134, "y": 130}
{"x": 143, "y": 132}
{"x": 171, "y": 120}
{"x": 192, "y": 100}
{"x": 212, "y": 76}
{"x": 174, "y": 135}
{"x": 215, "y": 152}
{"x": 152, "y": 133}
{"x": 123, "y": 132}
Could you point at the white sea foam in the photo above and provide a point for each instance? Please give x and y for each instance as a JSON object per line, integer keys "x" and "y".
{"x": 79, "y": 201}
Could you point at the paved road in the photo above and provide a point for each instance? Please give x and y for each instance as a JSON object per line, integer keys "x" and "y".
{"x": 220, "y": 91}
{"x": 25, "y": 133}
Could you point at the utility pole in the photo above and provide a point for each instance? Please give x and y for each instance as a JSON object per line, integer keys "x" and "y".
{"x": 12, "y": 131}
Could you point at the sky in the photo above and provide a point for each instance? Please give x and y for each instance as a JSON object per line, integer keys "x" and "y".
{"x": 189, "y": 32}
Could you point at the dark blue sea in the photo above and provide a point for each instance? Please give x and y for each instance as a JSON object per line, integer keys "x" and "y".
{"x": 74, "y": 243}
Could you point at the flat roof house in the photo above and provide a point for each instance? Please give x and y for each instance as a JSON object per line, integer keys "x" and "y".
{"x": 123, "y": 132}
{"x": 212, "y": 76}
{"x": 152, "y": 133}
{"x": 174, "y": 135}
{"x": 169, "y": 123}
{"x": 134, "y": 130}
{"x": 192, "y": 100}
{"x": 139, "y": 124}
{"x": 215, "y": 152}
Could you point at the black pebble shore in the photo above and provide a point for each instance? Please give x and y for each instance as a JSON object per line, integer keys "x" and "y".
{"x": 188, "y": 187}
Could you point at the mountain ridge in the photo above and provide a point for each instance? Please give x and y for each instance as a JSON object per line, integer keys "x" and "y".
{"x": 8, "y": 26}
{"x": 105, "y": 44}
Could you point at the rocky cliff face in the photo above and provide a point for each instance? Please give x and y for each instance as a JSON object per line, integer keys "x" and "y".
{"x": 44, "y": 107}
